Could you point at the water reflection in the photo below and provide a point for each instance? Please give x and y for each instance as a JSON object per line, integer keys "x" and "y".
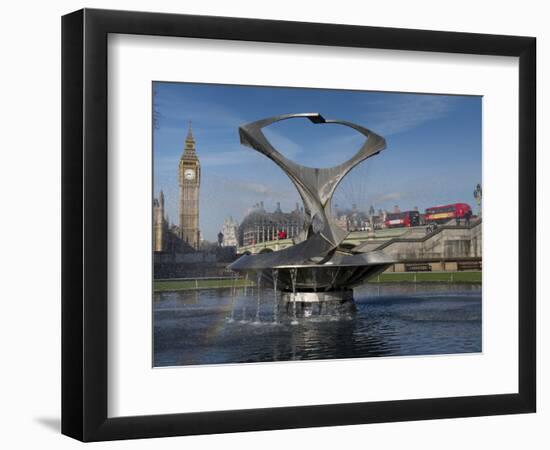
{"x": 212, "y": 326}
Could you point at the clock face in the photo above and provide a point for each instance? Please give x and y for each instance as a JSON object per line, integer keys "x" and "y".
{"x": 189, "y": 174}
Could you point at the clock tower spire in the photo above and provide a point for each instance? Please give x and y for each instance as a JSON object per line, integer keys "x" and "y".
{"x": 189, "y": 184}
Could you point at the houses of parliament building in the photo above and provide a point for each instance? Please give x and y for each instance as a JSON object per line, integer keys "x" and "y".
{"x": 257, "y": 226}
{"x": 184, "y": 237}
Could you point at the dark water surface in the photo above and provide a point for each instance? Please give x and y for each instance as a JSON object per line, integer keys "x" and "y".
{"x": 217, "y": 326}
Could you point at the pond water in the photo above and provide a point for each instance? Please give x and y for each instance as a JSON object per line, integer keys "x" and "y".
{"x": 220, "y": 326}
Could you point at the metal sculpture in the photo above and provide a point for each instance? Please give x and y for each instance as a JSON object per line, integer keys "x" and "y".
{"x": 317, "y": 268}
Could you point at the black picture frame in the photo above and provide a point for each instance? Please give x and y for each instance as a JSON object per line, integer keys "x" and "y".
{"x": 84, "y": 224}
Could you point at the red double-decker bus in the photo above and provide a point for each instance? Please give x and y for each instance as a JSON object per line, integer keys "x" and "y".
{"x": 444, "y": 213}
{"x": 402, "y": 219}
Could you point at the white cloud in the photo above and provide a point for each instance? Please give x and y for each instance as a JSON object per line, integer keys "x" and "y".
{"x": 406, "y": 114}
{"x": 259, "y": 189}
{"x": 390, "y": 196}
{"x": 227, "y": 158}
{"x": 283, "y": 144}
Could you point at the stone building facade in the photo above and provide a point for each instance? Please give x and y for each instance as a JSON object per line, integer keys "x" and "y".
{"x": 184, "y": 237}
{"x": 260, "y": 225}
{"x": 189, "y": 176}
{"x": 230, "y": 232}
{"x": 160, "y": 224}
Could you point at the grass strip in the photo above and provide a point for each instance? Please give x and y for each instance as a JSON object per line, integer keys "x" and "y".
{"x": 186, "y": 285}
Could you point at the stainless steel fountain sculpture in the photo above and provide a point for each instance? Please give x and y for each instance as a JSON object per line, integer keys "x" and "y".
{"x": 317, "y": 268}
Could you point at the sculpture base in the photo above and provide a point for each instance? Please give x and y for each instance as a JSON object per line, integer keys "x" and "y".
{"x": 314, "y": 304}
{"x": 319, "y": 297}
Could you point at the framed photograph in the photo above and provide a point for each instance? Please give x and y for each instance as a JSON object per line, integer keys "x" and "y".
{"x": 273, "y": 224}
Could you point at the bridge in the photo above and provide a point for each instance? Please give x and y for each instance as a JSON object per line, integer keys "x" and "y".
{"x": 448, "y": 247}
{"x": 353, "y": 239}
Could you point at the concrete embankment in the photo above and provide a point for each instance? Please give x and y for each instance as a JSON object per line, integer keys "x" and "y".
{"x": 428, "y": 277}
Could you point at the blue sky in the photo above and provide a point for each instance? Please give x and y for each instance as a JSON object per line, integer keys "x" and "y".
{"x": 433, "y": 153}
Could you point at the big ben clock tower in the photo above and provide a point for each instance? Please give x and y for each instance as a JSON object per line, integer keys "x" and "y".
{"x": 189, "y": 182}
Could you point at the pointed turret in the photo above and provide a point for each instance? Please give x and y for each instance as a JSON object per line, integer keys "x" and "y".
{"x": 159, "y": 224}
{"x": 190, "y": 133}
{"x": 189, "y": 149}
